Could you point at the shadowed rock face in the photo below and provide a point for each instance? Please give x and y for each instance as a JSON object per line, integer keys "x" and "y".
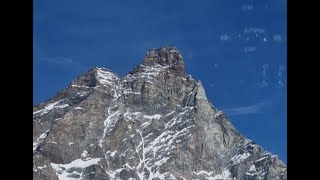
{"x": 154, "y": 123}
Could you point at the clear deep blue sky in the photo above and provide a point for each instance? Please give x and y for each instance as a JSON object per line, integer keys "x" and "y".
{"x": 237, "y": 48}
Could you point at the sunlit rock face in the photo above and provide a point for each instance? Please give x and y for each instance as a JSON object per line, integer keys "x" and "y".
{"x": 154, "y": 123}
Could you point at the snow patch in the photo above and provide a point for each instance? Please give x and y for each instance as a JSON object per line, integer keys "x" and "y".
{"x": 80, "y": 86}
{"x": 62, "y": 106}
{"x": 106, "y": 77}
{"x": 84, "y": 154}
{"x": 169, "y": 113}
{"x": 113, "y": 174}
{"x": 47, "y": 108}
{"x": 161, "y": 161}
{"x": 226, "y": 175}
{"x": 58, "y": 119}
{"x": 239, "y": 158}
{"x": 203, "y": 172}
{"x": 41, "y": 138}
{"x": 145, "y": 124}
{"x": 129, "y": 91}
{"x": 62, "y": 169}
{"x": 156, "y": 116}
{"x": 113, "y": 153}
{"x": 217, "y": 114}
{"x": 252, "y": 168}
{"x": 108, "y": 124}
{"x": 41, "y": 167}
{"x": 261, "y": 159}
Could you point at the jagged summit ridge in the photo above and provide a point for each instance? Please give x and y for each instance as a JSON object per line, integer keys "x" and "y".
{"x": 154, "y": 123}
{"x": 166, "y": 58}
{"x": 167, "y": 55}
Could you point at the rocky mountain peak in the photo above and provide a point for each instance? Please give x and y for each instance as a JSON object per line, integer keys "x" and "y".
{"x": 166, "y": 57}
{"x": 155, "y": 123}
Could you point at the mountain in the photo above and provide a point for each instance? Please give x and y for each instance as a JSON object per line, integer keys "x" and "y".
{"x": 154, "y": 123}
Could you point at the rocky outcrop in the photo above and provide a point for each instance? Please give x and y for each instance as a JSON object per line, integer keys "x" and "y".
{"x": 154, "y": 123}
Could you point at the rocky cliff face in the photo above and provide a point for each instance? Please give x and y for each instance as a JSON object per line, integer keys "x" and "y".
{"x": 154, "y": 123}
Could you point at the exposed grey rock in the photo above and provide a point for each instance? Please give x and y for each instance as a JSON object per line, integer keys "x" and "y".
{"x": 154, "y": 123}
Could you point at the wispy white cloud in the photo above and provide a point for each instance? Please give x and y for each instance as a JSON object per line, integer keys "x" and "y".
{"x": 277, "y": 38}
{"x": 263, "y": 84}
{"x": 280, "y": 73}
{"x": 280, "y": 84}
{"x": 245, "y": 110}
{"x": 214, "y": 66}
{"x": 58, "y": 60}
{"x": 224, "y": 37}
{"x": 265, "y": 68}
{"x": 212, "y": 85}
{"x": 64, "y": 61}
{"x": 281, "y": 70}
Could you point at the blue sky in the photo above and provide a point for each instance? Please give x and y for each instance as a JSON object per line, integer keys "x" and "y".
{"x": 237, "y": 48}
